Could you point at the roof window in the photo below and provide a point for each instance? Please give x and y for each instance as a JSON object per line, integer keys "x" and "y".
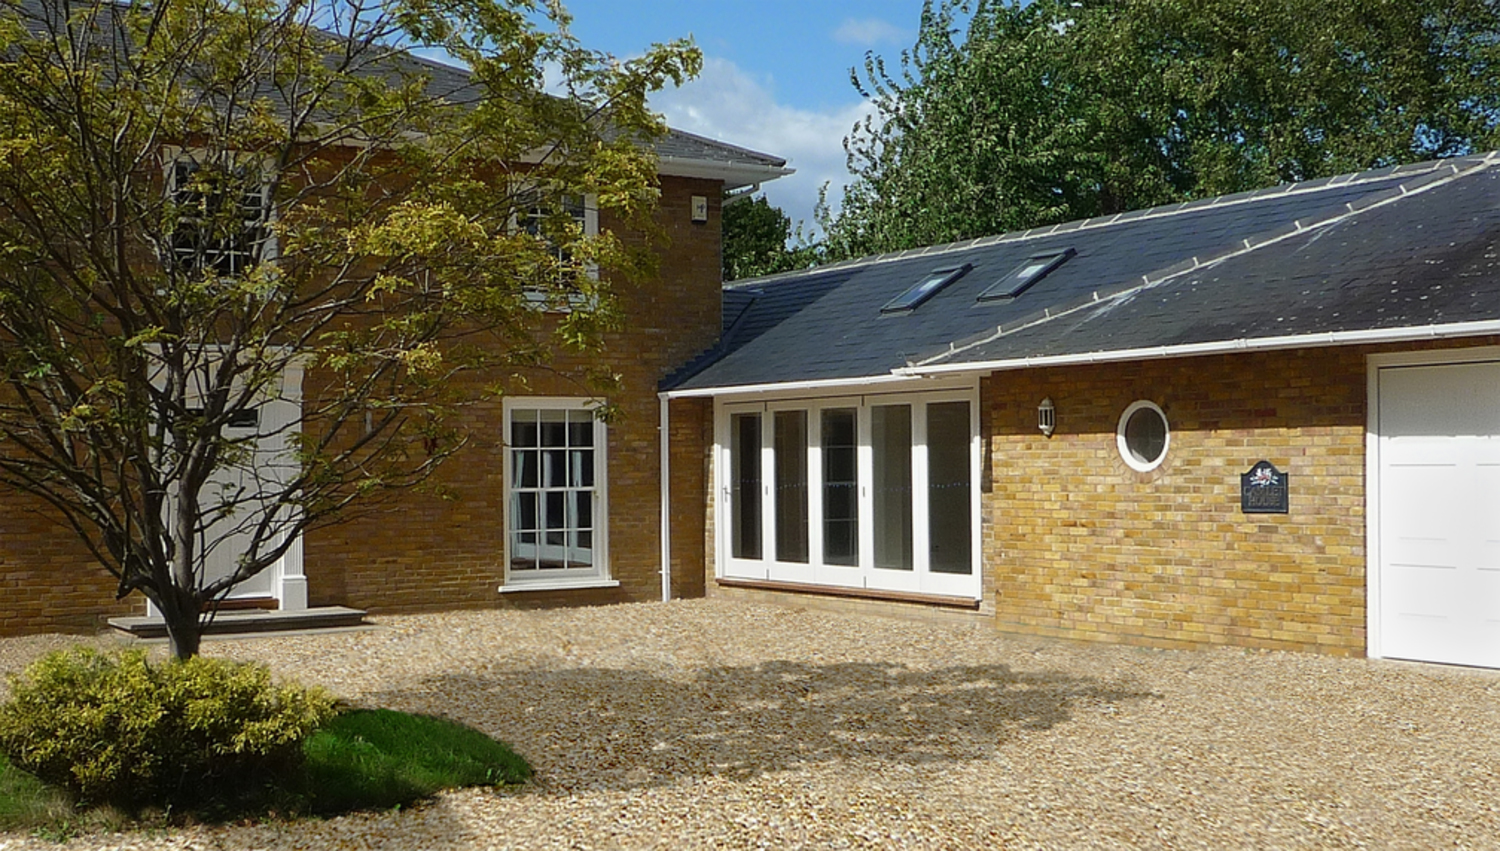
{"x": 925, "y": 289}
{"x": 1023, "y": 276}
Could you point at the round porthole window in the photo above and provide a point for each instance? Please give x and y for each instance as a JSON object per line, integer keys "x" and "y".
{"x": 1143, "y": 436}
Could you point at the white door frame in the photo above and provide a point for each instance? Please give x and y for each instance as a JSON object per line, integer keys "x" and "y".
{"x": 816, "y": 572}
{"x": 288, "y": 579}
{"x": 1373, "y": 365}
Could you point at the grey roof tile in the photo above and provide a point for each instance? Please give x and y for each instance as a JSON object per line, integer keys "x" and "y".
{"x": 1429, "y": 259}
{"x": 1419, "y": 258}
{"x": 684, "y": 145}
{"x": 443, "y": 80}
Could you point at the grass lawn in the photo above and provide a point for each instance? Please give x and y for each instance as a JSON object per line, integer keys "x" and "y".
{"x": 377, "y": 758}
{"x": 364, "y": 759}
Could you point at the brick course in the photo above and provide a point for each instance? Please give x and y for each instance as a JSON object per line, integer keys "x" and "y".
{"x": 49, "y": 580}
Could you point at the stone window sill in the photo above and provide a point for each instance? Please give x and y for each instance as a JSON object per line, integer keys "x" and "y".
{"x": 521, "y": 586}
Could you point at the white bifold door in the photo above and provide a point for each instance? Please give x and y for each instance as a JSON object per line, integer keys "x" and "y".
{"x": 876, "y": 492}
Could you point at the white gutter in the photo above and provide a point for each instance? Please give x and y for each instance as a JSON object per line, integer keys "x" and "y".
{"x": 666, "y": 498}
{"x": 740, "y": 194}
{"x": 734, "y": 175}
{"x": 1257, "y": 344}
{"x": 796, "y": 386}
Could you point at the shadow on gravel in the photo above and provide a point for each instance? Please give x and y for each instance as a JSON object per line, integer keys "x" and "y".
{"x": 627, "y": 728}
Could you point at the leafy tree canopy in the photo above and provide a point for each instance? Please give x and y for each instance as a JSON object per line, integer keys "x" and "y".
{"x": 201, "y": 198}
{"x": 756, "y": 240}
{"x": 1055, "y": 110}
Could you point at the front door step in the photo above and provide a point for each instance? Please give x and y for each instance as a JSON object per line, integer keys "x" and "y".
{"x": 240, "y": 604}
{"x": 253, "y": 621}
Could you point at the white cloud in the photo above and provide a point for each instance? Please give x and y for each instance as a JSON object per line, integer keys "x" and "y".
{"x": 868, "y": 32}
{"x": 727, "y": 104}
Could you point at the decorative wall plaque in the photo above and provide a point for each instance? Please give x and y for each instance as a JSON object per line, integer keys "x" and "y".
{"x": 1264, "y": 490}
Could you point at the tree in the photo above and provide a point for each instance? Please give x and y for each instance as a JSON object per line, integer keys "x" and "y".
{"x": 199, "y": 198}
{"x": 756, "y": 237}
{"x": 1055, "y": 110}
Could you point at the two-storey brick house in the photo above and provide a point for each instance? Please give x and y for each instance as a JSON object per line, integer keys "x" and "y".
{"x": 546, "y": 503}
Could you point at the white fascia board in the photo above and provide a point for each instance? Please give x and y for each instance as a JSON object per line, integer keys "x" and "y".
{"x": 1294, "y": 341}
{"x": 734, "y": 175}
{"x": 866, "y": 383}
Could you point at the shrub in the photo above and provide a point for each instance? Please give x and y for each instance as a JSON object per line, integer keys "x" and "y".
{"x": 118, "y": 729}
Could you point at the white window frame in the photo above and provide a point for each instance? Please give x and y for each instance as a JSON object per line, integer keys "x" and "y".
{"x": 539, "y": 298}
{"x": 864, "y": 575}
{"x": 1123, "y": 445}
{"x": 171, "y": 156}
{"x": 598, "y": 576}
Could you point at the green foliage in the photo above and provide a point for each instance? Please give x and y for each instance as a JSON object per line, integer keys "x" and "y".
{"x": 1054, "y": 110}
{"x": 375, "y": 759}
{"x": 330, "y": 204}
{"x": 755, "y": 240}
{"x": 118, "y": 729}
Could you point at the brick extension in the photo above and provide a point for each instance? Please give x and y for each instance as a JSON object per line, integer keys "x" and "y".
{"x": 1077, "y": 545}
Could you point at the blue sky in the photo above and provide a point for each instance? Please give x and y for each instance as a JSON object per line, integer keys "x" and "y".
{"x": 775, "y": 77}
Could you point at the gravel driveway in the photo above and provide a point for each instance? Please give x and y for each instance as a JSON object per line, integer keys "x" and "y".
{"x": 722, "y": 724}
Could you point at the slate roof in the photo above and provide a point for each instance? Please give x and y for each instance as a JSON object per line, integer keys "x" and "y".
{"x": 681, "y": 144}
{"x": 676, "y": 144}
{"x": 1408, "y": 247}
{"x": 443, "y": 80}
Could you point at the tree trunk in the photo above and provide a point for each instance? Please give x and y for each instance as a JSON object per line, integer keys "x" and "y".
{"x": 183, "y": 640}
{"x": 184, "y": 628}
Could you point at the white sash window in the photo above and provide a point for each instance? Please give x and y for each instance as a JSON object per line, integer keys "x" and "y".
{"x": 556, "y": 506}
{"x": 224, "y": 211}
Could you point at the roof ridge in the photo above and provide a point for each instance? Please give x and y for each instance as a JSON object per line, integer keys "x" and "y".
{"x": 1163, "y": 211}
{"x": 1476, "y": 164}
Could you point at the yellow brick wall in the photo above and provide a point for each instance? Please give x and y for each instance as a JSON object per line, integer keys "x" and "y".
{"x": 1079, "y": 545}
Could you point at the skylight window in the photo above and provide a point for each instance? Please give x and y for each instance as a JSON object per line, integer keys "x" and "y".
{"x": 1029, "y": 272}
{"x": 925, "y": 289}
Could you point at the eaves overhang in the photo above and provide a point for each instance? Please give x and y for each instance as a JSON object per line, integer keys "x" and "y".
{"x": 859, "y": 384}
{"x": 734, "y": 174}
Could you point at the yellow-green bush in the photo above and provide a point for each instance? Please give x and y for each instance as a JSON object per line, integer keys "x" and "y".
{"x": 119, "y": 729}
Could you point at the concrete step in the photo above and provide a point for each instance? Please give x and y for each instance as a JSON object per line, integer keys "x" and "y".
{"x": 251, "y": 621}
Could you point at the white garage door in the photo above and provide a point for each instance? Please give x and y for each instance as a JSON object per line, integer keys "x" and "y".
{"x": 1439, "y": 513}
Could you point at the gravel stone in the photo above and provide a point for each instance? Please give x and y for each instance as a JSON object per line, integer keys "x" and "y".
{"x": 727, "y": 724}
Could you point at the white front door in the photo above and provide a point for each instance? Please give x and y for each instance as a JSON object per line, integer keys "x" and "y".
{"x": 249, "y": 482}
{"x": 1438, "y": 448}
